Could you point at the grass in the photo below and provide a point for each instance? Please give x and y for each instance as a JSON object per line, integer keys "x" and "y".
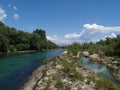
{"x": 59, "y": 85}
{"x": 104, "y": 84}
{"x": 75, "y": 75}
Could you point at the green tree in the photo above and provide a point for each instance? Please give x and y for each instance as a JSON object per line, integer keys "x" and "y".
{"x": 15, "y": 40}
{"x": 74, "y": 48}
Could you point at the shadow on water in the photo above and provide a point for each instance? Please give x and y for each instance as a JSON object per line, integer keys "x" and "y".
{"x": 16, "y": 68}
{"x": 99, "y": 68}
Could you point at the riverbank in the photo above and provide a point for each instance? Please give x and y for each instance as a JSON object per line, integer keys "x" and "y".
{"x": 66, "y": 72}
{"x": 24, "y": 51}
{"x": 108, "y": 61}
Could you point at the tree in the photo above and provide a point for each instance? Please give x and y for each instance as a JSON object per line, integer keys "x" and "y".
{"x": 74, "y": 48}
{"x": 3, "y": 43}
{"x": 12, "y": 40}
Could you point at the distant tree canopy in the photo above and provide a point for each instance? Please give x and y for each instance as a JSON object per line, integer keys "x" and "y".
{"x": 109, "y": 47}
{"x": 74, "y": 48}
{"x": 16, "y": 40}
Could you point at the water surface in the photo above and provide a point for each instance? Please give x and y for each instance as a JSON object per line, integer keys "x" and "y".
{"x": 99, "y": 68}
{"x": 15, "y": 68}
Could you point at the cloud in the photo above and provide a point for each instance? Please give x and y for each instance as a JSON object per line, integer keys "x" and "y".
{"x": 62, "y": 40}
{"x": 15, "y": 8}
{"x": 16, "y": 16}
{"x": 101, "y": 28}
{"x": 72, "y": 35}
{"x": 94, "y": 32}
{"x": 3, "y": 15}
{"x": 57, "y": 40}
{"x": 113, "y": 35}
{"x": 89, "y": 32}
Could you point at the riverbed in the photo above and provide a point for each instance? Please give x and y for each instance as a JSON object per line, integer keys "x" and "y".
{"x": 16, "y": 68}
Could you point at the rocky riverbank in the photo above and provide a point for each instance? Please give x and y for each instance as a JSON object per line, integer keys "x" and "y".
{"x": 66, "y": 72}
{"x": 113, "y": 64}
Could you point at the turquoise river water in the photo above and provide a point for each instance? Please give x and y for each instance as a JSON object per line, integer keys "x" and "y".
{"x": 16, "y": 68}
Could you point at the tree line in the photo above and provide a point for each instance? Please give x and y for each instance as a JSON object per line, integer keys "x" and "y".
{"x": 12, "y": 40}
{"x": 109, "y": 47}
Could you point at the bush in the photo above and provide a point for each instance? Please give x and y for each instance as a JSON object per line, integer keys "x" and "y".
{"x": 74, "y": 48}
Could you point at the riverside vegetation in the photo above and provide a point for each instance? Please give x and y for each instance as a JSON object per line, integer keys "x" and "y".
{"x": 66, "y": 72}
{"x": 105, "y": 51}
{"x": 12, "y": 40}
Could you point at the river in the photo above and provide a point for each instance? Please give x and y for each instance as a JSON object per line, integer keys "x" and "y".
{"x": 99, "y": 68}
{"x": 16, "y": 68}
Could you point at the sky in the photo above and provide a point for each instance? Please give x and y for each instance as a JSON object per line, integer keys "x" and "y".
{"x": 65, "y": 21}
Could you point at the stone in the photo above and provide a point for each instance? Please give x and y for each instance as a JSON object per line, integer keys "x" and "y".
{"x": 46, "y": 78}
{"x": 92, "y": 84}
{"x": 85, "y": 80}
{"x": 94, "y": 56}
{"x": 65, "y": 80}
{"x": 86, "y": 53}
{"x": 59, "y": 66}
{"x": 65, "y": 52}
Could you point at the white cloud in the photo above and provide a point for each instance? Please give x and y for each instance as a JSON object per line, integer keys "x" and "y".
{"x": 72, "y": 35}
{"x": 90, "y": 32}
{"x": 55, "y": 36}
{"x": 100, "y": 27}
{"x": 94, "y": 32}
{"x": 51, "y": 38}
{"x": 59, "y": 40}
{"x": 3, "y": 15}
{"x": 113, "y": 35}
{"x": 15, "y": 8}
{"x": 16, "y": 16}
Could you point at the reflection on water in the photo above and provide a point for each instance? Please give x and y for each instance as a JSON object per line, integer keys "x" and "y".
{"x": 99, "y": 68}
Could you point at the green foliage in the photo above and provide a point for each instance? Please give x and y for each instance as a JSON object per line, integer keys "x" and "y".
{"x": 12, "y": 48}
{"x": 48, "y": 85}
{"x": 109, "y": 47}
{"x": 75, "y": 75}
{"x": 51, "y": 45}
{"x": 74, "y": 48}
{"x": 104, "y": 84}
{"x": 3, "y": 43}
{"x": 12, "y": 40}
{"x": 59, "y": 84}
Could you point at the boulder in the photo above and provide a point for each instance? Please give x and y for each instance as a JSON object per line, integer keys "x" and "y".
{"x": 94, "y": 56}
{"x": 117, "y": 75}
{"x": 65, "y": 52}
{"x": 86, "y": 53}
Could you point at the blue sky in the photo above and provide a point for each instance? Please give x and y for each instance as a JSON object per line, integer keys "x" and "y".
{"x": 65, "y": 21}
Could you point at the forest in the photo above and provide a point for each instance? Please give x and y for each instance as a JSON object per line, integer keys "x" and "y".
{"x": 12, "y": 40}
